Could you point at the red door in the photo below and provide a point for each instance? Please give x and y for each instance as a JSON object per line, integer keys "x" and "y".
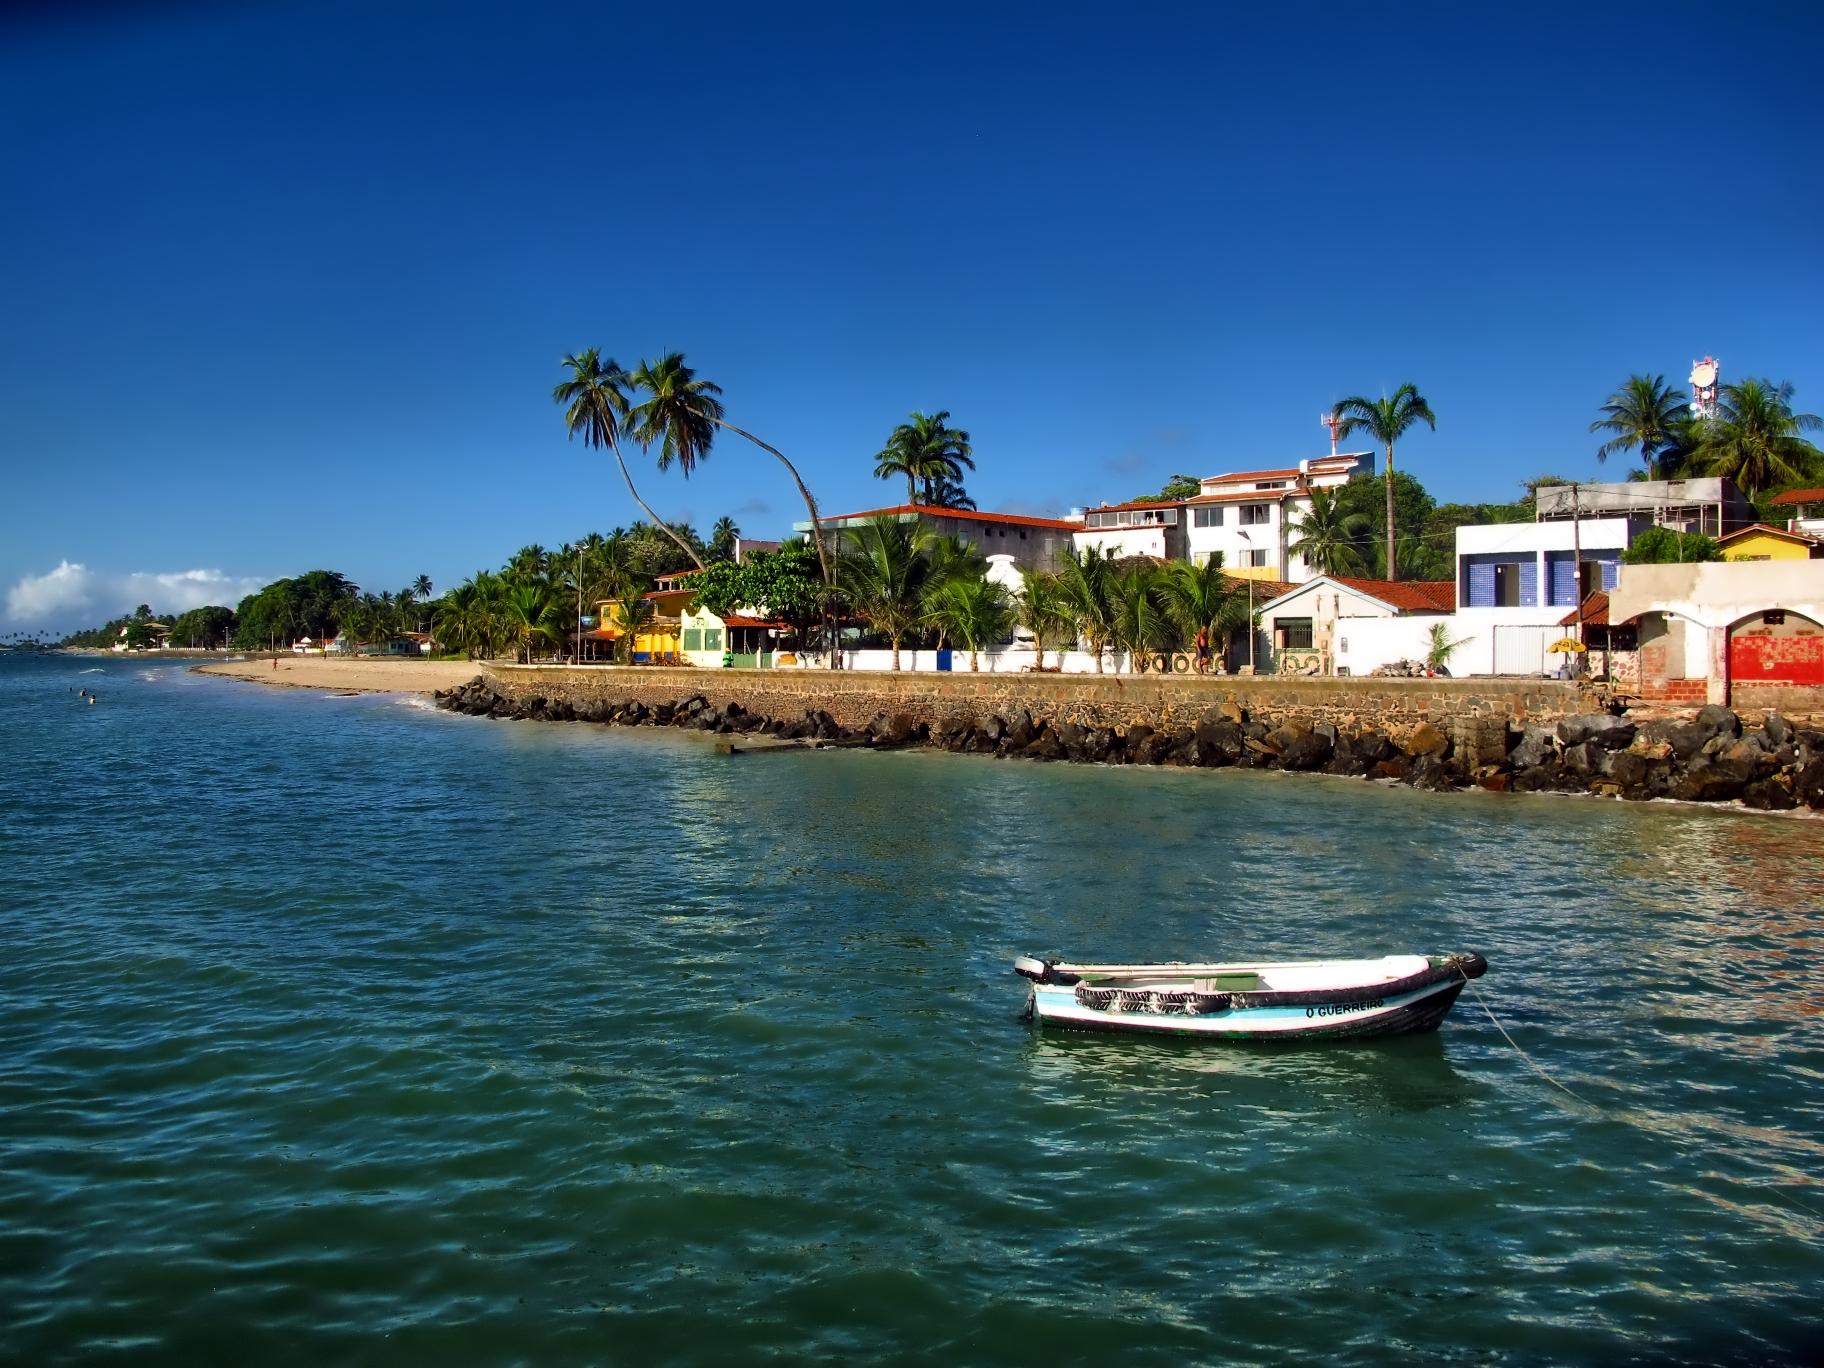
{"x": 1758, "y": 657}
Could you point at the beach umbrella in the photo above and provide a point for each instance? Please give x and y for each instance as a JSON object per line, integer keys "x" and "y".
{"x": 1565, "y": 645}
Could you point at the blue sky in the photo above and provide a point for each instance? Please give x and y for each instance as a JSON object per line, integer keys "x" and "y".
{"x": 287, "y": 285}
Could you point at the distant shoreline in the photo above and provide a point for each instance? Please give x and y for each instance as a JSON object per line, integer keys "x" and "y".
{"x": 359, "y": 675}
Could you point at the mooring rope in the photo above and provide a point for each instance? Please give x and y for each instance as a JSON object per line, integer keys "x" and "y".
{"x": 1534, "y": 1064}
{"x": 1773, "y": 1192}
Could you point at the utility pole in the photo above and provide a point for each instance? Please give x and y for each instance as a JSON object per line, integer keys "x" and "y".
{"x": 1577, "y": 557}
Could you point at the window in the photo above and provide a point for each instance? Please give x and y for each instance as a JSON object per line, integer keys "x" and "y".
{"x": 1254, "y": 559}
{"x": 712, "y": 638}
{"x": 1507, "y": 586}
{"x": 1206, "y": 517}
{"x": 1295, "y": 634}
{"x": 1270, "y": 484}
{"x": 1253, "y": 515}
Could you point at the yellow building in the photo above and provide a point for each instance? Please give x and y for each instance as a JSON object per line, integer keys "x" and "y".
{"x": 1759, "y": 542}
{"x": 655, "y": 641}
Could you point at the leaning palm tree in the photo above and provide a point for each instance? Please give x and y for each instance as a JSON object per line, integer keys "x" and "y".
{"x": 1202, "y": 598}
{"x": 1041, "y": 609}
{"x": 1084, "y": 578}
{"x": 1140, "y": 622}
{"x": 1327, "y": 536}
{"x": 974, "y": 612}
{"x": 1754, "y": 438}
{"x": 1385, "y": 420}
{"x": 1644, "y": 415}
{"x": 884, "y": 570}
{"x": 596, "y": 407}
{"x": 925, "y": 450}
{"x": 680, "y": 415}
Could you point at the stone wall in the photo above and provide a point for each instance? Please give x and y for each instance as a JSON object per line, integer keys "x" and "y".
{"x": 1794, "y": 700}
{"x": 852, "y": 697}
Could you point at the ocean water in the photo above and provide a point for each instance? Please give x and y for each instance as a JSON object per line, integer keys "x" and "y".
{"x": 343, "y": 1030}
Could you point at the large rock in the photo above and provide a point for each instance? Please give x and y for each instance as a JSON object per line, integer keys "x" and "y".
{"x": 1685, "y": 738}
{"x": 1718, "y": 720}
{"x": 1536, "y": 748}
{"x": 1605, "y": 730}
{"x": 1809, "y": 784}
{"x": 1307, "y": 752}
{"x": 1770, "y": 795}
{"x": 1425, "y": 739}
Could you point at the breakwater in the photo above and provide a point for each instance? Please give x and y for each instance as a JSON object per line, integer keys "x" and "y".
{"x": 1489, "y": 741}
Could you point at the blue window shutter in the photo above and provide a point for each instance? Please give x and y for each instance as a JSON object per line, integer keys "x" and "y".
{"x": 1529, "y": 582}
{"x": 1611, "y": 573}
{"x": 1481, "y": 584}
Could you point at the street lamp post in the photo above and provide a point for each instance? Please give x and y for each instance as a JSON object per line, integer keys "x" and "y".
{"x": 1250, "y": 541}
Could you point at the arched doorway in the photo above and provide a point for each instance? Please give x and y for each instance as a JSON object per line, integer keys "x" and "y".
{"x": 1777, "y": 646}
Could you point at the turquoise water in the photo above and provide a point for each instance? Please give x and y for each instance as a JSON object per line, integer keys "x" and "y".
{"x": 345, "y": 1030}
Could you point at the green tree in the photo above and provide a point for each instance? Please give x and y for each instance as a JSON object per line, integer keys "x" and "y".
{"x": 1368, "y": 497}
{"x": 723, "y": 538}
{"x": 534, "y": 617}
{"x": 1386, "y": 421}
{"x": 212, "y": 626}
{"x": 1643, "y": 415}
{"x": 597, "y": 408}
{"x": 1664, "y": 546}
{"x": 948, "y": 494}
{"x": 680, "y": 415}
{"x": 884, "y": 569}
{"x": 636, "y": 613}
{"x": 925, "y": 450}
{"x": 1176, "y": 488}
{"x": 1085, "y": 579}
{"x": 1204, "y": 598}
{"x": 1042, "y": 610}
{"x": 974, "y": 612}
{"x": 1439, "y": 646}
{"x": 1139, "y": 619}
{"x": 1754, "y": 438}
{"x": 1328, "y": 536}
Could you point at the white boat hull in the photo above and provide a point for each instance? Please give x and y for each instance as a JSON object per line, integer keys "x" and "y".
{"x": 1174, "y": 1000}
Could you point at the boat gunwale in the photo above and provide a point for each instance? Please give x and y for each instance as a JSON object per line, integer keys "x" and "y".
{"x": 1440, "y": 969}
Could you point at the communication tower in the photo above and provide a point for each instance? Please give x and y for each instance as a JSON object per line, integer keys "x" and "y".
{"x": 1331, "y": 421}
{"x": 1703, "y": 387}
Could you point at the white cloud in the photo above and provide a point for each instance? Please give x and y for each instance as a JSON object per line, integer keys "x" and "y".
{"x": 73, "y": 595}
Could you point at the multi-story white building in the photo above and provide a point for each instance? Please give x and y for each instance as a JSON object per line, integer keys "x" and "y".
{"x": 1247, "y": 515}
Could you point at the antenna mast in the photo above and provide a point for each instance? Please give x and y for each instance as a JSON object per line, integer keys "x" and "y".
{"x": 1703, "y": 387}
{"x": 1331, "y": 421}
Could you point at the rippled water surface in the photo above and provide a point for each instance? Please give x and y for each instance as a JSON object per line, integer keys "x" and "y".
{"x": 344, "y": 1030}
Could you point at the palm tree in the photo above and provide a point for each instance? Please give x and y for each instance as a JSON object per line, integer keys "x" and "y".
{"x": 1202, "y": 598}
{"x": 1645, "y": 414}
{"x": 459, "y": 614}
{"x": 885, "y": 568}
{"x": 596, "y": 407}
{"x": 1084, "y": 580}
{"x": 528, "y": 563}
{"x": 1385, "y": 420}
{"x": 1754, "y": 438}
{"x": 976, "y": 612}
{"x": 948, "y": 494}
{"x": 530, "y": 612}
{"x": 1139, "y": 621}
{"x": 680, "y": 416}
{"x": 724, "y": 537}
{"x": 1041, "y": 609}
{"x": 635, "y": 611}
{"x": 1327, "y": 536}
{"x": 925, "y": 450}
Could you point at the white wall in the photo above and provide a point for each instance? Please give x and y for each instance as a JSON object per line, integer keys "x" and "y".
{"x": 1123, "y": 541}
{"x": 1365, "y": 643}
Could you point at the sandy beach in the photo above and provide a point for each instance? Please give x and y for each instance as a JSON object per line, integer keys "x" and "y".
{"x": 376, "y": 675}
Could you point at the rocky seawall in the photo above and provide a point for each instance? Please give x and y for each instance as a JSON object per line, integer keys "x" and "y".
{"x": 1715, "y": 756}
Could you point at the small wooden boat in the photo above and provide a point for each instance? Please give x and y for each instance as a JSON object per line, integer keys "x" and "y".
{"x": 1288, "y": 1000}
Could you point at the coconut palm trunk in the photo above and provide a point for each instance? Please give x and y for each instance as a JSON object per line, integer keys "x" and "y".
{"x": 1393, "y": 570}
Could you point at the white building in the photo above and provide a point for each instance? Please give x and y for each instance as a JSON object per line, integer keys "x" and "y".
{"x": 1337, "y": 625}
{"x": 1516, "y": 581}
{"x": 1247, "y": 515}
